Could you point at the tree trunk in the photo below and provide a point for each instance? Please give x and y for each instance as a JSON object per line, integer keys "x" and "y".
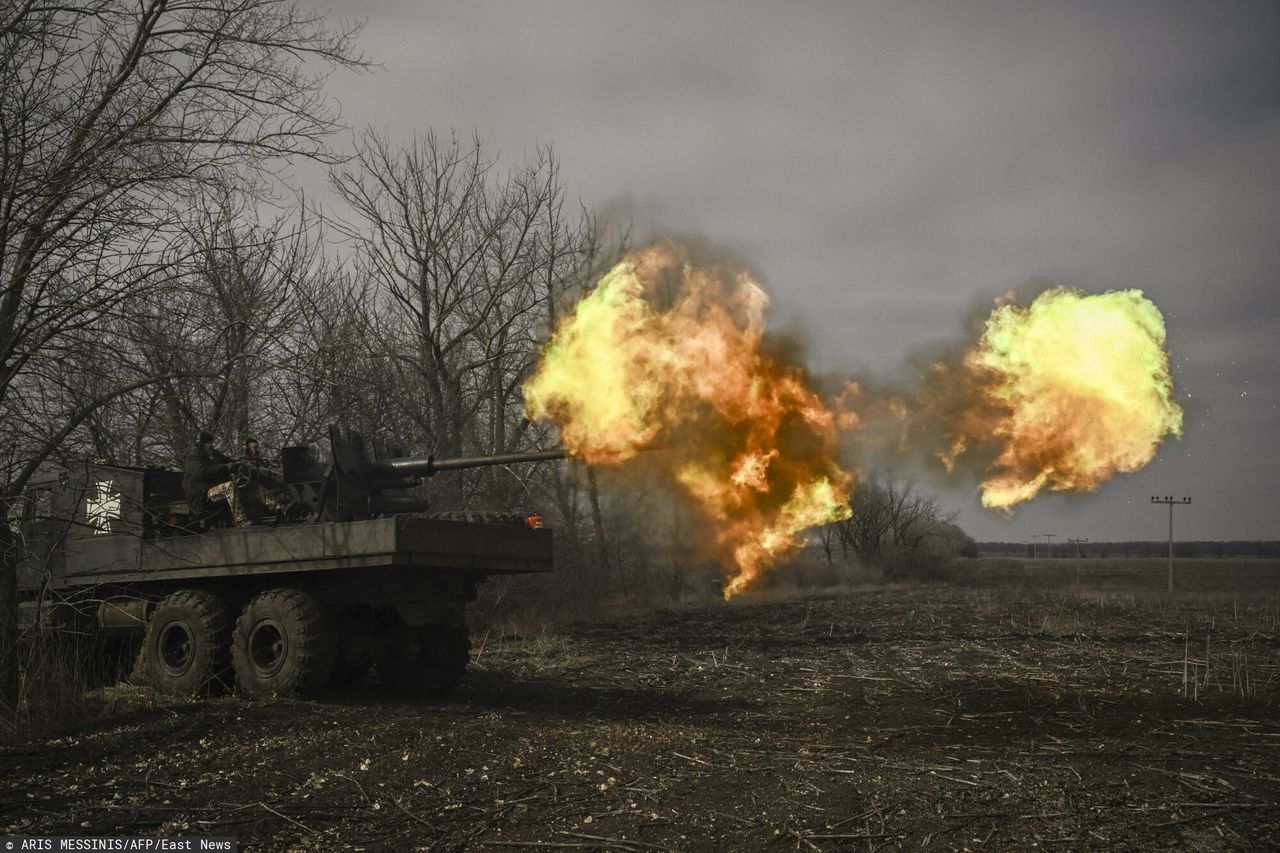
{"x": 597, "y": 518}
{"x": 8, "y": 618}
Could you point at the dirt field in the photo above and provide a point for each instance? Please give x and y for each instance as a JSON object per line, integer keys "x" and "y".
{"x": 941, "y": 716}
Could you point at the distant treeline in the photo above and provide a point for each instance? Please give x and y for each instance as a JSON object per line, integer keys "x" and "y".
{"x": 1233, "y": 548}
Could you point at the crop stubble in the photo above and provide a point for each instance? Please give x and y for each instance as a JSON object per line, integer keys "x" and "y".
{"x": 879, "y": 718}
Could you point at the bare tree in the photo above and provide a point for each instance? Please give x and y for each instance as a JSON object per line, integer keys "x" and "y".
{"x": 231, "y": 318}
{"x": 238, "y": 334}
{"x": 866, "y": 531}
{"x": 913, "y": 517}
{"x": 894, "y": 525}
{"x": 466, "y": 260}
{"x": 111, "y": 113}
{"x": 333, "y": 367}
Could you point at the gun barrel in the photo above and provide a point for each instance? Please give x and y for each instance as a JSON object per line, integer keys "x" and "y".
{"x": 426, "y": 466}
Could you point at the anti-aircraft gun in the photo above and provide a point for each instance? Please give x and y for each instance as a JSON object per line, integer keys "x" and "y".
{"x": 354, "y": 575}
{"x": 356, "y": 487}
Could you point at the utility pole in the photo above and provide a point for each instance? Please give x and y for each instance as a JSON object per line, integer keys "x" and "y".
{"x": 1171, "y": 501}
{"x": 1077, "y": 543}
{"x": 1047, "y": 537}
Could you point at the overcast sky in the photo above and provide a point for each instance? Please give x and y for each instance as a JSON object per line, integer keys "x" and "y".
{"x": 888, "y": 164}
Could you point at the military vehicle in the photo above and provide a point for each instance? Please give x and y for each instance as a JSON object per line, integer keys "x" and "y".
{"x": 353, "y": 574}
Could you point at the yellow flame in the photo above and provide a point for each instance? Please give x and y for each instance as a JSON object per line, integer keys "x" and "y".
{"x": 810, "y": 505}
{"x": 752, "y": 444}
{"x": 1076, "y": 389}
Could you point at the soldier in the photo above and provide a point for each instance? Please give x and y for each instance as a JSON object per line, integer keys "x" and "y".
{"x": 258, "y": 496}
{"x": 252, "y": 454}
{"x": 207, "y": 476}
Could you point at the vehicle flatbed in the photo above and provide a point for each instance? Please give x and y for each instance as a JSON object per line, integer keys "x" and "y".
{"x": 398, "y": 541}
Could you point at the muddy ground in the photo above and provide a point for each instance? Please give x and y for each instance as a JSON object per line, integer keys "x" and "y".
{"x": 881, "y": 718}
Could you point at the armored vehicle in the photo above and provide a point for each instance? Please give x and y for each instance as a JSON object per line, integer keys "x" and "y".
{"x": 352, "y": 575}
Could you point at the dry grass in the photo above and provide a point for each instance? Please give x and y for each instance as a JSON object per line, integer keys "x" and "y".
{"x": 61, "y": 676}
{"x": 898, "y": 716}
{"x": 1240, "y": 576}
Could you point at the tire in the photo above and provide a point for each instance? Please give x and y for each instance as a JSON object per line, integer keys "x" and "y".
{"x": 188, "y": 645}
{"x": 431, "y": 662}
{"x": 282, "y": 646}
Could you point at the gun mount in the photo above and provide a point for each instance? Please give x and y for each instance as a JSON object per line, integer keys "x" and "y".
{"x": 358, "y": 486}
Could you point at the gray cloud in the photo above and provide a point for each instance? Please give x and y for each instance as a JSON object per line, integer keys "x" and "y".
{"x": 887, "y": 165}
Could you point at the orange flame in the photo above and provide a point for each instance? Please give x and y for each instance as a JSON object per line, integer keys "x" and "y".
{"x": 751, "y": 443}
{"x": 1062, "y": 394}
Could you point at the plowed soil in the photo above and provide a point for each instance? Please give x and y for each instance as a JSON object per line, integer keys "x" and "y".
{"x": 883, "y": 718}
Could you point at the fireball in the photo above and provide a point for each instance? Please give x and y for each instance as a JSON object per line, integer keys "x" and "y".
{"x": 667, "y": 352}
{"x": 1071, "y": 390}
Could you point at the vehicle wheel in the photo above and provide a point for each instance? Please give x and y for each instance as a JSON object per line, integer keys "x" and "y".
{"x": 281, "y": 645}
{"x": 188, "y": 645}
{"x": 431, "y": 662}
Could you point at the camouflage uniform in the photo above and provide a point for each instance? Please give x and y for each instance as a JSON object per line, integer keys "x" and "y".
{"x": 257, "y": 495}
{"x": 227, "y": 491}
{"x": 207, "y": 477}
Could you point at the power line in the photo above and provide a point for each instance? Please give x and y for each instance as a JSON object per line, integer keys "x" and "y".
{"x": 1077, "y": 543}
{"x": 1172, "y": 502}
